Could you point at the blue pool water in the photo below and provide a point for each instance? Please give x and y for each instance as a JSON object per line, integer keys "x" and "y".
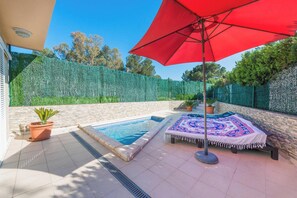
{"x": 129, "y": 131}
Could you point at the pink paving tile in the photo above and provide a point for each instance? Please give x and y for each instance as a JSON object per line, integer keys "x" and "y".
{"x": 240, "y": 190}
{"x": 283, "y": 178}
{"x": 119, "y": 193}
{"x": 173, "y": 161}
{"x": 181, "y": 181}
{"x": 223, "y": 170}
{"x": 147, "y": 161}
{"x": 148, "y": 180}
{"x": 166, "y": 190}
{"x": 162, "y": 169}
{"x": 215, "y": 180}
{"x": 159, "y": 154}
{"x": 192, "y": 169}
{"x": 254, "y": 181}
{"x": 132, "y": 170}
{"x": 201, "y": 190}
{"x": 230, "y": 160}
{"x": 275, "y": 190}
{"x": 252, "y": 167}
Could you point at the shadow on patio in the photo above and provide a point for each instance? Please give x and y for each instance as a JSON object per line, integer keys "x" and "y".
{"x": 60, "y": 167}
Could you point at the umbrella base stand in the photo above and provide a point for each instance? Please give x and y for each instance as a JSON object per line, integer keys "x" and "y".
{"x": 207, "y": 159}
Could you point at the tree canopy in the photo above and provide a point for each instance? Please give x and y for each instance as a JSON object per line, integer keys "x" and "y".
{"x": 139, "y": 65}
{"x": 87, "y": 50}
{"x": 215, "y": 73}
{"x": 45, "y": 52}
{"x": 261, "y": 65}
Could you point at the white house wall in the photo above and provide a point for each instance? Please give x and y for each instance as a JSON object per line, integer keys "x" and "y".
{"x": 4, "y": 98}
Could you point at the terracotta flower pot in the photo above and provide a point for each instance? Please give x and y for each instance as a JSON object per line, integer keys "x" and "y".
{"x": 40, "y": 132}
{"x": 189, "y": 108}
{"x": 210, "y": 110}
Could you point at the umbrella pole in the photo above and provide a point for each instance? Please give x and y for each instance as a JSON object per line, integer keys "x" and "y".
{"x": 205, "y": 156}
{"x": 204, "y": 89}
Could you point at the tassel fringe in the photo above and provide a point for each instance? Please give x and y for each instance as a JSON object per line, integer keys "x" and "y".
{"x": 220, "y": 144}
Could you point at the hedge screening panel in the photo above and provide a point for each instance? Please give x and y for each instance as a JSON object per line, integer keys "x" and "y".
{"x": 283, "y": 92}
{"x": 240, "y": 95}
{"x": 45, "y": 81}
{"x": 278, "y": 95}
{"x": 261, "y": 97}
{"x": 249, "y": 96}
{"x": 222, "y": 94}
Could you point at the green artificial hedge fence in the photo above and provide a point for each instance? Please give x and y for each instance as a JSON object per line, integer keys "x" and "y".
{"x": 37, "y": 80}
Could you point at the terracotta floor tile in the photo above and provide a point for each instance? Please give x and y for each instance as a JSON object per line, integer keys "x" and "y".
{"x": 166, "y": 190}
{"x": 274, "y": 190}
{"x": 119, "y": 193}
{"x": 162, "y": 169}
{"x": 173, "y": 160}
{"x": 181, "y": 180}
{"x": 148, "y": 180}
{"x": 215, "y": 180}
{"x": 30, "y": 183}
{"x": 44, "y": 192}
{"x": 202, "y": 190}
{"x": 257, "y": 181}
{"x": 133, "y": 170}
{"x": 192, "y": 169}
{"x": 240, "y": 190}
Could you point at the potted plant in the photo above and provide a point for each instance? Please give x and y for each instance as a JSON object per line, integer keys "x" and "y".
{"x": 42, "y": 130}
{"x": 210, "y": 107}
{"x": 189, "y": 104}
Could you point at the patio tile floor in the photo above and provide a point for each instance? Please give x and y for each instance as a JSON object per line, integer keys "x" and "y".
{"x": 62, "y": 167}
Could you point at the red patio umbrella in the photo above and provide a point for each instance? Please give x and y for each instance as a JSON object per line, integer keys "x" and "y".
{"x": 199, "y": 31}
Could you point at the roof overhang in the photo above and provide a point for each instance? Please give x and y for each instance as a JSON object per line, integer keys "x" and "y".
{"x": 31, "y": 15}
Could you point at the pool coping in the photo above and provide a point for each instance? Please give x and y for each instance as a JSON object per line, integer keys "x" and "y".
{"x": 125, "y": 152}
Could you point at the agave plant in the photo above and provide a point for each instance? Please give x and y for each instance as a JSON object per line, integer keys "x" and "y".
{"x": 190, "y": 103}
{"x": 45, "y": 114}
{"x": 210, "y": 101}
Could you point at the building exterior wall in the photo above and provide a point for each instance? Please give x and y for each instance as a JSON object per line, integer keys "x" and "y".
{"x": 282, "y": 126}
{"x": 71, "y": 115}
{"x": 4, "y": 98}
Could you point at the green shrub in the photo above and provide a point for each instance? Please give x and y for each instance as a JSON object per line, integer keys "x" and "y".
{"x": 37, "y": 101}
{"x": 163, "y": 99}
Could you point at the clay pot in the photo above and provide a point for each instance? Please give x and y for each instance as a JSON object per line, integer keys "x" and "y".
{"x": 189, "y": 108}
{"x": 210, "y": 110}
{"x": 40, "y": 131}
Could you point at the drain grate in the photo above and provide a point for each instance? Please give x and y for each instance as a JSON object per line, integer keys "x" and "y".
{"x": 119, "y": 175}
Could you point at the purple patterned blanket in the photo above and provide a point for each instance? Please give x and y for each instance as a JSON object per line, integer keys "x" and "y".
{"x": 229, "y": 131}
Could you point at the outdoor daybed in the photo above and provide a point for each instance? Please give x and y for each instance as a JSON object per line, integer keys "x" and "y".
{"x": 227, "y": 130}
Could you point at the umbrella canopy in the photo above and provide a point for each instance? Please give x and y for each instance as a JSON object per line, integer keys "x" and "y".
{"x": 199, "y": 30}
{"x": 230, "y": 26}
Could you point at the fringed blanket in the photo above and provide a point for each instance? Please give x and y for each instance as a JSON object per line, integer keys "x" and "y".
{"x": 226, "y": 130}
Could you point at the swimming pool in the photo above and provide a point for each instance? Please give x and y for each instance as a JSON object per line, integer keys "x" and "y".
{"x": 126, "y": 138}
{"x": 129, "y": 131}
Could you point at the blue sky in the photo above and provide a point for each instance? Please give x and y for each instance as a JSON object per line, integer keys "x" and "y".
{"x": 121, "y": 24}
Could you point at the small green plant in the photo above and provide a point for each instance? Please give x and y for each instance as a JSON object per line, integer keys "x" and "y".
{"x": 189, "y": 103}
{"x": 45, "y": 114}
{"x": 186, "y": 97}
{"x": 163, "y": 98}
{"x": 210, "y": 101}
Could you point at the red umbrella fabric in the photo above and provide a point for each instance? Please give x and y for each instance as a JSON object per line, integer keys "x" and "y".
{"x": 199, "y": 30}
{"x": 231, "y": 26}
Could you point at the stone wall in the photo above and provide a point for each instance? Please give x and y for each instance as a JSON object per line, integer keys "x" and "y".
{"x": 283, "y": 126}
{"x": 71, "y": 115}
